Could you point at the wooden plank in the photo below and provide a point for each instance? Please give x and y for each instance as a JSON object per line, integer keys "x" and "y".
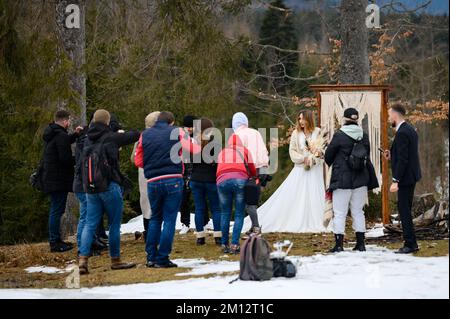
{"x": 385, "y": 164}
{"x": 350, "y": 87}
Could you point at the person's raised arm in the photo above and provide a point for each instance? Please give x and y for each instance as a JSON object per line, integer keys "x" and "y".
{"x": 187, "y": 143}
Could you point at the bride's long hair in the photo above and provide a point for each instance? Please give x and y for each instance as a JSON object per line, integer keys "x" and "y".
{"x": 310, "y": 123}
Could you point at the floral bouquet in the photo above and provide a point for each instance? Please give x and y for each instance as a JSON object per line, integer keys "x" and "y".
{"x": 316, "y": 148}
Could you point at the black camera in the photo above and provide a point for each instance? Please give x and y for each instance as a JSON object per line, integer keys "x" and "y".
{"x": 264, "y": 179}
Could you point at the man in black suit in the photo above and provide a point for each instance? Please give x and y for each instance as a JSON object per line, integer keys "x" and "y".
{"x": 404, "y": 156}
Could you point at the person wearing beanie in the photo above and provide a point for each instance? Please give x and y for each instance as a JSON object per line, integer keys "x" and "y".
{"x": 101, "y": 135}
{"x": 352, "y": 176}
{"x": 254, "y": 142}
{"x": 146, "y": 210}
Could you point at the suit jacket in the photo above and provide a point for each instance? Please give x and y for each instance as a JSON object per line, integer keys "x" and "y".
{"x": 405, "y": 156}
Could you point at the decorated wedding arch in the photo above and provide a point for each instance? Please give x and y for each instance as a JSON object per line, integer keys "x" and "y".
{"x": 371, "y": 101}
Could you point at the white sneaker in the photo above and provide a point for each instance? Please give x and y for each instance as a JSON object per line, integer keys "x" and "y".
{"x": 184, "y": 229}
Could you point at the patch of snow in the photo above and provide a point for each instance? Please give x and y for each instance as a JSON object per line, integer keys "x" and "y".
{"x": 45, "y": 270}
{"x": 376, "y": 231}
{"x": 136, "y": 224}
{"x": 203, "y": 267}
{"x": 377, "y": 273}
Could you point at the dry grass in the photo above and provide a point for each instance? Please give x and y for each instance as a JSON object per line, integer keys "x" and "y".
{"x": 14, "y": 259}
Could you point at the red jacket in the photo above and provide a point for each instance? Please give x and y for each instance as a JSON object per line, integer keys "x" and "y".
{"x": 229, "y": 159}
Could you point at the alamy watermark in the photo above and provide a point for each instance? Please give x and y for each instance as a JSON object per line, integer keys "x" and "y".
{"x": 373, "y": 19}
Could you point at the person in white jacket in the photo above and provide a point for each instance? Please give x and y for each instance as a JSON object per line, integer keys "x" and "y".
{"x": 146, "y": 210}
{"x": 254, "y": 142}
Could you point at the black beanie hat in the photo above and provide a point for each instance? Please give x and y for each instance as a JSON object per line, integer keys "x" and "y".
{"x": 188, "y": 120}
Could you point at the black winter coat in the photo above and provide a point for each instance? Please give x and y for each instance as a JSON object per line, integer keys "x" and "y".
{"x": 342, "y": 176}
{"x": 78, "y": 177}
{"x": 58, "y": 161}
{"x": 113, "y": 143}
{"x": 405, "y": 156}
{"x": 206, "y": 172}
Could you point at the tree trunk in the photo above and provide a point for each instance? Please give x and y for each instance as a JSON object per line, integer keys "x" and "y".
{"x": 73, "y": 41}
{"x": 354, "y": 67}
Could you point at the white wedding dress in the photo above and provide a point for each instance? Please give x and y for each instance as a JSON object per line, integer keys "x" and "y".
{"x": 297, "y": 206}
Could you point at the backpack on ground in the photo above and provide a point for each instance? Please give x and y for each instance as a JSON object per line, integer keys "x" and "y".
{"x": 96, "y": 169}
{"x": 255, "y": 262}
{"x": 283, "y": 268}
{"x": 358, "y": 158}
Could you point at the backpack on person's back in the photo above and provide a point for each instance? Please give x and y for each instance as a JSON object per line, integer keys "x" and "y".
{"x": 358, "y": 158}
{"x": 96, "y": 169}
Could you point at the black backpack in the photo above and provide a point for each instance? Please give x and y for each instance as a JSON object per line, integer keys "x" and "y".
{"x": 37, "y": 177}
{"x": 358, "y": 158}
{"x": 283, "y": 268}
{"x": 96, "y": 168}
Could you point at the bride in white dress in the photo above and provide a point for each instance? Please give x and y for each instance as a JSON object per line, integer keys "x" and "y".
{"x": 298, "y": 204}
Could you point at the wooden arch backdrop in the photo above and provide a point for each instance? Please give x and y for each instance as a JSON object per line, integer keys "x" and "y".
{"x": 382, "y": 134}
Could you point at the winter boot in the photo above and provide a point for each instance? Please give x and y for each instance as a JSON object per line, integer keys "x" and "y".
{"x": 218, "y": 238}
{"x": 360, "y": 246}
{"x": 201, "y": 238}
{"x": 117, "y": 264}
{"x": 83, "y": 265}
{"x": 339, "y": 246}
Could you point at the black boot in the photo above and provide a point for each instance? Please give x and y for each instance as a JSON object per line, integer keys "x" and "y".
{"x": 360, "y": 246}
{"x": 201, "y": 241}
{"x": 339, "y": 246}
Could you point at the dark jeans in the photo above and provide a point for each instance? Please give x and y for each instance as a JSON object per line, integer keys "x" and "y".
{"x": 58, "y": 202}
{"x": 185, "y": 204}
{"x": 232, "y": 191}
{"x": 110, "y": 201}
{"x": 202, "y": 192}
{"x": 165, "y": 198}
{"x": 404, "y": 204}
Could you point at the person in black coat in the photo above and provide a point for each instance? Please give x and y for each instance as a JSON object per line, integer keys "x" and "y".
{"x": 349, "y": 186}
{"x": 58, "y": 172}
{"x": 111, "y": 199}
{"x": 406, "y": 172}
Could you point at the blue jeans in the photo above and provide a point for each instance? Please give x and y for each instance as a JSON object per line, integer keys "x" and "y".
{"x": 58, "y": 202}
{"x": 165, "y": 200}
{"x": 201, "y": 191}
{"x": 110, "y": 201}
{"x": 82, "y": 199}
{"x": 230, "y": 191}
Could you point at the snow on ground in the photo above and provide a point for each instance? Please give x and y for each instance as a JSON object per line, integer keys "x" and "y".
{"x": 136, "y": 224}
{"x": 203, "y": 267}
{"x": 376, "y": 231}
{"x": 45, "y": 270}
{"x": 377, "y": 273}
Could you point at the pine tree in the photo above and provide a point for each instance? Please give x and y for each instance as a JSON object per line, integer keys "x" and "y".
{"x": 278, "y": 31}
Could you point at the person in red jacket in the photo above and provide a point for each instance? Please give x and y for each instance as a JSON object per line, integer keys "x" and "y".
{"x": 235, "y": 166}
